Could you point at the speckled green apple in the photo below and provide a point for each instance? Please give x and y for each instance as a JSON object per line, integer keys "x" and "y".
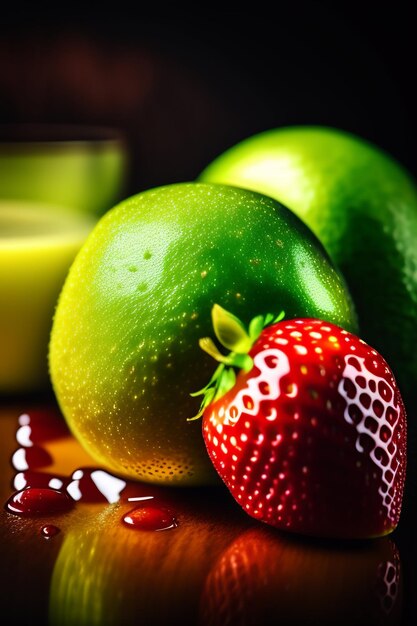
{"x": 124, "y": 354}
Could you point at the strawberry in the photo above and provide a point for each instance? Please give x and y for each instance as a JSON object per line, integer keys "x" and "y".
{"x": 310, "y": 436}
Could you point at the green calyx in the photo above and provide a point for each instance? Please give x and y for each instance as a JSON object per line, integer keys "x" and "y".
{"x": 233, "y": 335}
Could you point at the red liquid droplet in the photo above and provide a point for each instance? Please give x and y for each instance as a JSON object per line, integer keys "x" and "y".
{"x": 43, "y": 493}
{"x": 30, "y": 478}
{"x": 150, "y": 518}
{"x": 30, "y": 458}
{"x": 49, "y": 530}
{"x": 36, "y": 501}
{"x": 95, "y": 485}
{"x": 39, "y": 426}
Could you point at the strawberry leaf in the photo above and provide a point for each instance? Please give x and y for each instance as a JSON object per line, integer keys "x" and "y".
{"x": 278, "y": 318}
{"x": 230, "y": 331}
{"x": 223, "y": 379}
{"x": 256, "y": 326}
{"x": 226, "y": 382}
{"x": 210, "y": 384}
{"x": 208, "y": 345}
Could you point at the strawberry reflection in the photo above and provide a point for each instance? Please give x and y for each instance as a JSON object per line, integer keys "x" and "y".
{"x": 264, "y": 574}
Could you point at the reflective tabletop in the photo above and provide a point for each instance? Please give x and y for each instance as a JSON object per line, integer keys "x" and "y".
{"x": 132, "y": 553}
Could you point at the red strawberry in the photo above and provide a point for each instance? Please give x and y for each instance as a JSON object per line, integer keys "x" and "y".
{"x": 311, "y": 435}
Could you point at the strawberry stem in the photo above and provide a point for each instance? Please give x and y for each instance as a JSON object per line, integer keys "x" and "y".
{"x": 233, "y": 335}
{"x": 240, "y": 360}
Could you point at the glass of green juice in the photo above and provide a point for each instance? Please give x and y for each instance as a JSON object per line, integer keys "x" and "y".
{"x": 37, "y": 246}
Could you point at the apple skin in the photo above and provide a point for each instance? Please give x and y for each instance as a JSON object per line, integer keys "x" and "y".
{"x": 124, "y": 352}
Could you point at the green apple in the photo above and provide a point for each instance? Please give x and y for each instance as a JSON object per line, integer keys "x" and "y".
{"x": 124, "y": 353}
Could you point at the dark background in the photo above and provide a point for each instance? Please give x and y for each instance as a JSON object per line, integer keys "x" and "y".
{"x": 185, "y": 88}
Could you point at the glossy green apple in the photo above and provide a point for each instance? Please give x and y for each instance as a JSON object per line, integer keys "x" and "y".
{"x": 124, "y": 353}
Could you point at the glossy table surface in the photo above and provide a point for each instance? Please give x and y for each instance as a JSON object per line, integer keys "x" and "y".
{"x": 217, "y": 567}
